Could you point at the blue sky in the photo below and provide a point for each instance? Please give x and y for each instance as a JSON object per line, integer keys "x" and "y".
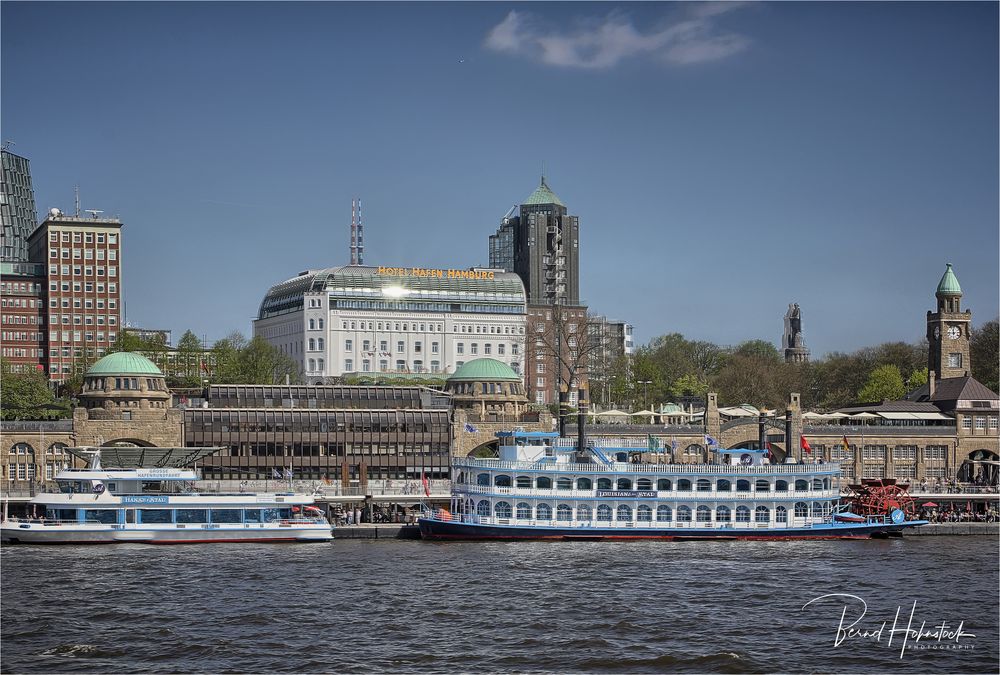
{"x": 724, "y": 159}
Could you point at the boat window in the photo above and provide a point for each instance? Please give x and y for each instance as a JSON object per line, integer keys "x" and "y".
{"x": 624, "y": 513}
{"x": 502, "y": 481}
{"x": 564, "y": 484}
{"x": 483, "y": 479}
{"x": 684, "y": 485}
{"x": 801, "y": 485}
{"x": 723, "y": 514}
{"x": 826, "y": 483}
{"x": 624, "y": 484}
{"x": 781, "y": 486}
{"x": 564, "y": 512}
{"x": 644, "y": 513}
{"x": 703, "y": 485}
{"x": 106, "y": 516}
{"x": 524, "y": 481}
{"x": 603, "y": 483}
{"x": 251, "y": 515}
{"x": 543, "y": 483}
{"x": 195, "y": 515}
{"x": 502, "y": 510}
{"x": 743, "y": 486}
{"x": 801, "y": 509}
{"x": 604, "y": 512}
{"x": 763, "y": 485}
{"x": 270, "y": 515}
{"x": 644, "y": 484}
{"x": 60, "y": 514}
{"x": 742, "y": 514}
{"x": 544, "y": 512}
{"x": 663, "y": 484}
{"x": 704, "y": 514}
{"x": 158, "y": 516}
{"x": 621, "y": 457}
{"x": 664, "y": 514}
{"x": 483, "y": 507}
{"x": 524, "y": 510}
{"x": 817, "y": 484}
{"x": 583, "y": 512}
{"x": 781, "y": 514}
{"x": 762, "y": 514}
{"x": 227, "y": 515}
{"x": 584, "y": 484}
{"x": 817, "y": 509}
{"x": 723, "y": 486}
{"x": 683, "y": 514}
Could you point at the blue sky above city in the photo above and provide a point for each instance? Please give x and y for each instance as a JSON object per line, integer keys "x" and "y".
{"x": 724, "y": 159}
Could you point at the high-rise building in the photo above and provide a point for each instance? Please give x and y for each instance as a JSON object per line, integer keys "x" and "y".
{"x": 367, "y": 320}
{"x": 83, "y": 263}
{"x": 17, "y": 207}
{"x": 542, "y": 245}
{"x": 23, "y": 294}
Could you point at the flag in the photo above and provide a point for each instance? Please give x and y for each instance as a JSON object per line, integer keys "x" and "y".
{"x": 275, "y": 473}
{"x": 804, "y": 444}
{"x": 653, "y": 442}
{"x": 204, "y": 367}
{"x": 426, "y": 483}
{"x": 710, "y": 441}
{"x": 470, "y": 429}
{"x": 326, "y": 479}
{"x": 288, "y": 473}
{"x": 847, "y": 446}
{"x": 673, "y": 443}
{"x": 767, "y": 446}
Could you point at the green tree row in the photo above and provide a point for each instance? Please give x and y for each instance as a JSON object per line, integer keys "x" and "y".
{"x": 754, "y": 372}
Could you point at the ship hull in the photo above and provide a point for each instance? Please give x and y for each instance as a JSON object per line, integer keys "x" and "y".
{"x": 437, "y": 529}
{"x": 36, "y": 533}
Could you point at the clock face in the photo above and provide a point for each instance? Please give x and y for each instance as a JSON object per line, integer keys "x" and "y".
{"x": 954, "y": 332}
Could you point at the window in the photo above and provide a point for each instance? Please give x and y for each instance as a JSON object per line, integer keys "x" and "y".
{"x": 703, "y": 514}
{"x": 348, "y": 345}
{"x": 664, "y": 514}
{"x": 544, "y": 512}
{"x": 524, "y": 510}
{"x": 624, "y": 513}
{"x": 349, "y": 365}
{"x": 539, "y": 367}
{"x": 460, "y": 348}
{"x": 742, "y": 514}
{"x": 418, "y": 347}
{"x": 644, "y": 513}
{"x": 781, "y": 514}
{"x": 762, "y": 515}
{"x": 474, "y": 348}
{"x": 684, "y": 514}
{"x": 400, "y": 346}
{"x": 312, "y": 344}
{"x": 954, "y": 360}
{"x": 980, "y": 422}
{"x": 564, "y": 512}
{"x": 434, "y": 348}
{"x": 502, "y": 510}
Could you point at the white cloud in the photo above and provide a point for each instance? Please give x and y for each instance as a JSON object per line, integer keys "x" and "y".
{"x": 605, "y": 43}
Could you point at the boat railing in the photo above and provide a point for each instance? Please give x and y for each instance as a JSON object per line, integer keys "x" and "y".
{"x": 831, "y": 493}
{"x": 798, "y": 521}
{"x": 626, "y": 467}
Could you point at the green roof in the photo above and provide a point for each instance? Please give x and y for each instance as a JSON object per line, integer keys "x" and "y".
{"x": 949, "y": 283}
{"x": 484, "y": 369}
{"x": 124, "y": 363}
{"x": 543, "y": 195}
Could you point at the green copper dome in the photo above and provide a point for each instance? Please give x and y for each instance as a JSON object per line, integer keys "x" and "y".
{"x": 543, "y": 195}
{"x": 124, "y": 363}
{"x": 949, "y": 284}
{"x": 484, "y": 369}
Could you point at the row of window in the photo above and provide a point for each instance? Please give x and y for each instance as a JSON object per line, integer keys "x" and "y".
{"x": 55, "y": 286}
{"x": 662, "y": 484}
{"x": 87, "y": 254}
{"x": 23, "y": 320}
{"x": 24, "y": 303}
{"x": 8, "y": 287}
{"x": 171, "y": 516}
{"x": 86, "y": 303}
{"x": 77, "y": 336}
{"x": 644, "y": 513}
{"x": 83, "y": 319}
{"x": 980, "y": 421}
{"x": 88, "y": 237}
{"x": 22, "y": 352}
{"x": 487, "y": 349}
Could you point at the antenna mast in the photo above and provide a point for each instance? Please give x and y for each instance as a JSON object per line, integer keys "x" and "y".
{"x": 354, "y": 231}
{"x": 77, "y": 191}
{"x": 361, "y": 236}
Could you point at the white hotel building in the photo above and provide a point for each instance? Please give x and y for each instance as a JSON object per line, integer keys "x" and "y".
{"x": 363, "y": 319}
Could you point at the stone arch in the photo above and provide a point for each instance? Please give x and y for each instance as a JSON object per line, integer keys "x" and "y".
{"x": 488, "y": 450}
{"x": 980, "y": 466}
{"x": 127, "y": 443}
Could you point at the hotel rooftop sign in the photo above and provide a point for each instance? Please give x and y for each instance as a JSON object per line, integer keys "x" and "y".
{"x": 440, "y": 274}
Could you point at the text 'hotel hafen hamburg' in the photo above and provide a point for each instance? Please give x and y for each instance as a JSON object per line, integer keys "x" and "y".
{"x": 377, "y": 319}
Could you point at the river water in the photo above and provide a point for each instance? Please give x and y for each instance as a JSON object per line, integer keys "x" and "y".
{"x": 378, "y": 606}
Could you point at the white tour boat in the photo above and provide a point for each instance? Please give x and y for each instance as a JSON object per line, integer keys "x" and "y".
{"x": 147, "y": 504}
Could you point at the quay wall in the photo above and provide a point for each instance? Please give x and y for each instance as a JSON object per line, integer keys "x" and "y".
{"x": 951, "y": 529}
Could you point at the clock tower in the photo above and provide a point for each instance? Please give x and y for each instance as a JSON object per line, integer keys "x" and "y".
{"x": 949, "y": 331}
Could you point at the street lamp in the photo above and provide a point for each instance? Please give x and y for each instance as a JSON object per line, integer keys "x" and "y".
{"x": 645, "y": 390}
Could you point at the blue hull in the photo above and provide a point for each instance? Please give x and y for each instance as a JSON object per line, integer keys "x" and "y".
{"x": 438, "y": 529}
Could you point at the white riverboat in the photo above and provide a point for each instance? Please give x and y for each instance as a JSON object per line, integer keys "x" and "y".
{"x": 147, "y": 504}
{"x": 543, "y": 487}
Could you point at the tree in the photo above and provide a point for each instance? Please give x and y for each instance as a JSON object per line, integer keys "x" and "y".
{"x": 26, "y": 396}
{"x": 884, "y": 383}
{"x": 984, "y": 349}
{"x": 917, "y": 379}
{"x": 563, "y": 339}
{"x": 238, "y": 361}
{"x": 190, "y": 354}
{"x": 761, "y": 349}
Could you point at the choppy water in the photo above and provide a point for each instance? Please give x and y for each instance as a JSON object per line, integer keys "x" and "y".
{"x": 377, "y": 606}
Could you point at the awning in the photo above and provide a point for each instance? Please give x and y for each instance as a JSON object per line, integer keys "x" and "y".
{"x": 929, "y": 504}
{"x": 898, "y": 416}
{"x": 931, "y": 416}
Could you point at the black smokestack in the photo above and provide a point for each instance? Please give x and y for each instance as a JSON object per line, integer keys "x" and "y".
{"x": 563, "y": 409}
{"x": 581, "y": 420}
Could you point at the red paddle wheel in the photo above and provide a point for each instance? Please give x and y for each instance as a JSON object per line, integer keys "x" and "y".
{"x": 880, "y": 496}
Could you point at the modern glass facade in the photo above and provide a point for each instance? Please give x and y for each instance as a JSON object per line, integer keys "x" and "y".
{"x": 346, "y": 434}
{"x": 17, "y": 207}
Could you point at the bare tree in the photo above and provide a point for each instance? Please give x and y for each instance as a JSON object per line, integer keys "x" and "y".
{"x": 557, "y": 337}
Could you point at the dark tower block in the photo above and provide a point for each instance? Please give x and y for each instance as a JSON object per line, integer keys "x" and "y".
{"x": 949, "y": 331}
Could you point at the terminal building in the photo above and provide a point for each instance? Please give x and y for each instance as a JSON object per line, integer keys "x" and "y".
{"x": 365, "y": 319}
